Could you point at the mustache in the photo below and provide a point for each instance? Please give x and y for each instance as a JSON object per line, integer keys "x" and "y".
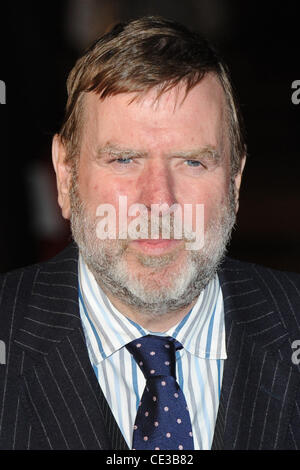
{"x": 145, "y": 229}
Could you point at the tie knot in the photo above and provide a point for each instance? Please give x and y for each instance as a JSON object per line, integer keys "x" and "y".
{"x": 155, "y": 355}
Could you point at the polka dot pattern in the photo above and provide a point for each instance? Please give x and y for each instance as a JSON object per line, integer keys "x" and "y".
{"x": 162, "y": 420}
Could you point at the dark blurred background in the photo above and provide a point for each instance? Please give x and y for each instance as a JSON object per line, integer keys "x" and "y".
{"x": 40, "y": 42}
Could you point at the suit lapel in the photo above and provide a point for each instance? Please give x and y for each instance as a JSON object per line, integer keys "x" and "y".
{"x": 259, "y": 387}
{"x": 60, "y": 386}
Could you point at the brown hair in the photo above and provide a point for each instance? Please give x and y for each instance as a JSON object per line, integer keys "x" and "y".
{"x": 137, "y": 56}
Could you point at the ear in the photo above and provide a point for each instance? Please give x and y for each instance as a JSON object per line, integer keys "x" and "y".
{"x": 63, "y": 175}
{"x": 237, "y": 183}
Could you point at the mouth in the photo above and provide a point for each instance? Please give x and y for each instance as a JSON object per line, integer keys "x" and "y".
{"x": 155, "y": 247}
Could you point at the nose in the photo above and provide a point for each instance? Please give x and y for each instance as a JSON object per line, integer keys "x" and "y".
{"x": 156, "y": 185}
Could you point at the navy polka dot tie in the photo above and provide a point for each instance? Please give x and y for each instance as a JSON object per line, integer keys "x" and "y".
{"x": 162, "y": 421}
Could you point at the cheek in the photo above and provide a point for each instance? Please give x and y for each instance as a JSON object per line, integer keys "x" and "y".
{"x": 213, "y": 194}
{"x": 96, "y": 187}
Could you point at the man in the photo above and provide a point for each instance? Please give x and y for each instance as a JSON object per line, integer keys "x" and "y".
{"x": 151, "y": 120}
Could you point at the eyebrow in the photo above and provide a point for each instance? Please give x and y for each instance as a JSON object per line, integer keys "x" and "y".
{"x": 116, "y": 151}
{"x": 207, "y": 152}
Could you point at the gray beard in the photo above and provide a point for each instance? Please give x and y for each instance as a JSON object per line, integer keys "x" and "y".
{"x": 106, "y": 260}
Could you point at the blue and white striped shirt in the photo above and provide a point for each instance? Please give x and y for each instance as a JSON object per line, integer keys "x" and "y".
{"x": 199, "y": 365}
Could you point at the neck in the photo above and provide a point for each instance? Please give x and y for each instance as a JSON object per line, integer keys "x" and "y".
{"x": 158, "y": 323}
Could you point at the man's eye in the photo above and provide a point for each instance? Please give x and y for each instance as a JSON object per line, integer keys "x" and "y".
{"x": 193, "y": 163}
{"x": 124, "y": 160}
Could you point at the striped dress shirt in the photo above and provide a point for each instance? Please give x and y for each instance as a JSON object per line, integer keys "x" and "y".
{"x": 199, "y": 365}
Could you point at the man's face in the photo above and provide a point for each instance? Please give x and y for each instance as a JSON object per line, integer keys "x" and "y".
{"x": 171, "y": 150}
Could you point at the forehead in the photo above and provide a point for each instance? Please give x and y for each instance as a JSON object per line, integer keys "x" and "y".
{"x": 176, "y": 112}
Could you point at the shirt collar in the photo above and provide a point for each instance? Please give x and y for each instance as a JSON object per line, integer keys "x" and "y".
{"x": 201, "y": 331}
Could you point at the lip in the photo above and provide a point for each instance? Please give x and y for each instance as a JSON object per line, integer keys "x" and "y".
{"x": 155, "y": 247}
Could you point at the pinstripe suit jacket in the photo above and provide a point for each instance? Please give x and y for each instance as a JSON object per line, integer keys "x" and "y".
{"x": 49, "y": 394}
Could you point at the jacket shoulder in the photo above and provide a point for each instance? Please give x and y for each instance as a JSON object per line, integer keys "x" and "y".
{"x": 280, "y": 289}
{"x": 257, "y": 271}
{"x": 16, "y": 288}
